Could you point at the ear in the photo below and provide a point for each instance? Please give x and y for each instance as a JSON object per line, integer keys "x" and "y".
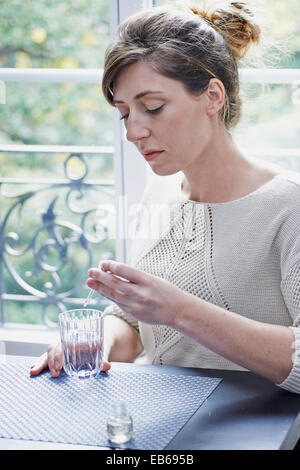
{"x": 215, "y": 96}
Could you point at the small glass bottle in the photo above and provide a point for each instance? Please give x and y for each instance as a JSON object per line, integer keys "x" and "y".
{"x": 119, "y": 424}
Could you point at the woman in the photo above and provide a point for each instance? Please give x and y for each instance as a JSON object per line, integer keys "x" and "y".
{"x": 219, "y": 286}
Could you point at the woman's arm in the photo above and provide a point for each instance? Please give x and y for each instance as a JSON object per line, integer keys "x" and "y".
{"x": 263, "y": 348}
{"x": 260, "y": 347}
{"x": 121, "y": 342}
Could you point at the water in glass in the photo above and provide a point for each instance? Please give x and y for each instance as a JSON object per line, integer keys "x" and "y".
{"x": 82, "y": 342}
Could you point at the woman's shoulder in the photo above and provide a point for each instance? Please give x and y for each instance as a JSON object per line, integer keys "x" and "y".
{"x": 288, "y": 186}
{"x": 284, "y": 183}
{"x": 292, "y": 177}
{"x": 288, "y": 216}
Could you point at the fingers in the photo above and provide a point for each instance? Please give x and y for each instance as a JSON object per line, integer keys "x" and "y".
{"x": 40, "y": 364}
{"x": 122, "y": 286}
{"x": 102, "y": 289}
{"x": 55, "y": 359}
{"x": 124, "y": 271}
{"x": 109, "y": 280}
{"x": 106, "y": 366}
{"x": 52, "y": 359}
{"x": 117, "y": 282}
{"x": 110, "y": 286}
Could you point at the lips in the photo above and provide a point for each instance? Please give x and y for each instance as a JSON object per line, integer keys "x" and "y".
{"x": 152, "y": 154}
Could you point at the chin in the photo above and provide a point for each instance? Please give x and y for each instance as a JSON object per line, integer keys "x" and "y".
{"x": 164, "y": 171}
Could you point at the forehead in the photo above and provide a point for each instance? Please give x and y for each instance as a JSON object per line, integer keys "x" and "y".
{"x": 139, "y": 77}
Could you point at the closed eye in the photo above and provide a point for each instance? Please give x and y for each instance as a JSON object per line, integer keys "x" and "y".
{"x": 125, "y": 116}
{"x": 150, "y": 111}
{"x": 156, "y": 110}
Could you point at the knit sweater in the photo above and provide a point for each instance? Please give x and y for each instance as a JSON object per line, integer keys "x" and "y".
{"x": 242, "y": 255}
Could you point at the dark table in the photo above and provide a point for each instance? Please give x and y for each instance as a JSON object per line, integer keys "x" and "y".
{"x": 245, "y": 412}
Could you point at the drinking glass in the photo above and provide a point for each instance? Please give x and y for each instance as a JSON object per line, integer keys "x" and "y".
{"x": 81, "y": 332}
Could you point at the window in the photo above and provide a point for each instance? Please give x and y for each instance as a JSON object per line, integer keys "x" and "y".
{"x": 270, "y": 125}
{"x": 63, "y": 179}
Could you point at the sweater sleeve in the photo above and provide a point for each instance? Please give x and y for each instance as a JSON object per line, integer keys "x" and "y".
{"x": 290, "y": 288}
{"x": 114, "y": 309}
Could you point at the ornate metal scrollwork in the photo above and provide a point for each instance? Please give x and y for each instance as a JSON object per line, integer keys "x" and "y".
{"x": 44, "y": 258}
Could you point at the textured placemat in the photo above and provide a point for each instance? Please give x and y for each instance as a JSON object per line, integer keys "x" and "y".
{"x": 73, "y": 411}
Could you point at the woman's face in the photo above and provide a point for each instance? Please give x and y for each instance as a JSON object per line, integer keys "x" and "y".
{"x": 169, "y": 126}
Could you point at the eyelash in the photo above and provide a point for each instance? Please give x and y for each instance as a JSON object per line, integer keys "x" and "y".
{"x": 151, "y": 111}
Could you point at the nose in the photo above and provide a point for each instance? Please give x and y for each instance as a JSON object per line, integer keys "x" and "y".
{"x": 136, "y": 130}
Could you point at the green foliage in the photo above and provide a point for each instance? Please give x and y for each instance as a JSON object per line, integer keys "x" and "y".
{"x": 279, "y": 21}
{"x": 54, "y": 34}
{"x": 270, "y": 113}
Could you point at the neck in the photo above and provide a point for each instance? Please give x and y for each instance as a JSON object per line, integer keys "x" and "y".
{"x": 221, "y": 173}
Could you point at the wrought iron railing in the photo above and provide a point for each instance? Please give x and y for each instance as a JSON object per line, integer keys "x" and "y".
{"x": 51, "y": 231}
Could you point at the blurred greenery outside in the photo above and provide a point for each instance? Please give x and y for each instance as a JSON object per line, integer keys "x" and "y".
{"x": 270, "y": 112}
{"x": 65, "y": 34}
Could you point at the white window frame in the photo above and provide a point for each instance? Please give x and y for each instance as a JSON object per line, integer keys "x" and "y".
{"x": 31, "y": 340}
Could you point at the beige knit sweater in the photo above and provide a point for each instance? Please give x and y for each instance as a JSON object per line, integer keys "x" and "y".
{"x": 242, "y": 255}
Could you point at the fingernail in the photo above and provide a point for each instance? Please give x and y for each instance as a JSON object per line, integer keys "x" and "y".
{"x": 92, "y": 284}
{"x": 108, "y": 262}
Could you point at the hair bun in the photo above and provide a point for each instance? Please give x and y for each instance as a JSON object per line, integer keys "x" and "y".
{"x": 236, "y": 25}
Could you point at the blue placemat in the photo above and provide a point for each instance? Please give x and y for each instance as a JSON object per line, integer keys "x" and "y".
{"x": 73, "y": 411}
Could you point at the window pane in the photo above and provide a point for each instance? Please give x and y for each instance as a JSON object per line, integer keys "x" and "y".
{"x": 55, "y": 114}
{"x": 53, "y": 34}
{"x": 57, "y": 209}
{"x": 57, "y": 216}
{"x": 280, "y": 24}
{"x": 270, "y": 113}
{"x": 270, "y": 119}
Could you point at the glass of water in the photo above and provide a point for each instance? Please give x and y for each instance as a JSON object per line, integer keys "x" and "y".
{"x": 81, "y": 333}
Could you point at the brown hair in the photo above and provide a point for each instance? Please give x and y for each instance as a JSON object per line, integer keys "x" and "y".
{"x": 190, "y": 45}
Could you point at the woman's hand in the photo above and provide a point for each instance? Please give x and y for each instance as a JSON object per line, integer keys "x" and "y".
{"x": 53, "y": 359}
{"x": 145, "y": 297}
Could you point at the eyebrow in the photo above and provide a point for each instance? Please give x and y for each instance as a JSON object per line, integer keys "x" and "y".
{"x": 139, "y": 95}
